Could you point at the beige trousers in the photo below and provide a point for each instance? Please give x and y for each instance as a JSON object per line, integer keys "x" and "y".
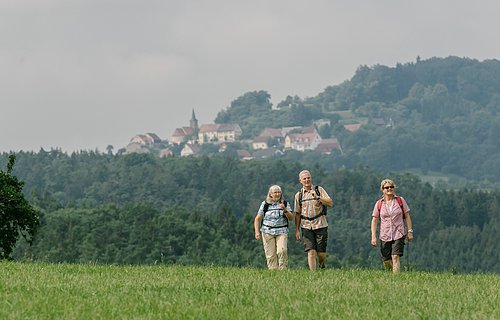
{"x": 276, "y": 250}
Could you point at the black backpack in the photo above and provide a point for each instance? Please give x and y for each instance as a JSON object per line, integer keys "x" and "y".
{"x": 266, "y": 208}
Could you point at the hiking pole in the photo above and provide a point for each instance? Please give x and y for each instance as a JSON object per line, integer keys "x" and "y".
{"x": 408, "y": 267}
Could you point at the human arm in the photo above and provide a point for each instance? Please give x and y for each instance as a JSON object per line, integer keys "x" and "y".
{"x": 256, "y": 226}
{"x": 297, "y": 225}
{"x": 409, "y": 225}
{"x": 324, "y": 198}
{"x": 374, "y": 231}
{"x": 297, "y": 209}
{"x": 287, "y": 211}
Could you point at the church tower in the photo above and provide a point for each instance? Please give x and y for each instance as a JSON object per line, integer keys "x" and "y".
{"x": 193, "y": 123}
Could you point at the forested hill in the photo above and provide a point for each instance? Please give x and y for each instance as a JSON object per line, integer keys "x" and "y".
{"x": 139, "y": 208}
{"x": 437, "y": 115}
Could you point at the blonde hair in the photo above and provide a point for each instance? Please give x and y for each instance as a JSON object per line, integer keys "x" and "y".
{"x": 269, "y": 198}
{"x": 386, "y": 181}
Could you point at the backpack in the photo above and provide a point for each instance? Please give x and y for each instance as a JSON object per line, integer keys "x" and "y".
{"x": 266, "y": 208}
{"x": 398, "y": 199}
{"x": 323, "y": 211}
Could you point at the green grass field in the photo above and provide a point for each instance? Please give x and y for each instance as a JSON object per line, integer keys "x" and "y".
{"x": 65, "y": 291}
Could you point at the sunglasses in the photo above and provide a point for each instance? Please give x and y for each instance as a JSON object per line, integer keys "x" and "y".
{"x": 389, "y": 187}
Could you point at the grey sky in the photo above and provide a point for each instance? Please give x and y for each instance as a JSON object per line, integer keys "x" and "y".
{"x": 83, "y": 74}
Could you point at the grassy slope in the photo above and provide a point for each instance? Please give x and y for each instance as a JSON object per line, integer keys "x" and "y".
{"x": 63, "y": 291}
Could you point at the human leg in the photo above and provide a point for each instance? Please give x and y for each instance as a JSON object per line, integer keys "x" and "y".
{"x": 396, "y": 263}
{"x": 385, "y": 252}
{"x": 397, "y": 253}
{"x": 311, "y": 259}
{"x": 269, "y": 242}
{"x": 321, "y": 241}
{"x": 322, "y": 259}
{"x": 388, "y": 265}
{"x": 309, "y": 240}
{"x": 282, "y": 250}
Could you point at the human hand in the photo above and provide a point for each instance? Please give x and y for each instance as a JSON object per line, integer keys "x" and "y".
{"x": 297, "y": 234}
{"x": 374, "y": 242}
{"x": 410, "y": 236}
{"x": 257, "y": 236}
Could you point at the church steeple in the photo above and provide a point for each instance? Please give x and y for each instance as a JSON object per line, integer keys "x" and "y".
{"x": 193, "y": 123}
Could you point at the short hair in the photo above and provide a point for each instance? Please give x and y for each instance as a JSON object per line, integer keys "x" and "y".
{"x": 386, "y": 181}
{"x": 269, "y": 198}
{"x": 304, "y": 172}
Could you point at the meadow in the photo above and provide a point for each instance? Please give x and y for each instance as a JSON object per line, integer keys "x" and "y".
{"x": 94, "y": 291}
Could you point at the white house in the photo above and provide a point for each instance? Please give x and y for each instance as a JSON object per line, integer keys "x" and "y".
{"x": 219, "y": 132}
{"x": 306, "y": 139}
{"x": 189, "y": 150}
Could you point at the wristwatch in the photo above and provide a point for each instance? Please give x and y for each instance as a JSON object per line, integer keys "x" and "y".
{"x": 410, "y": 230}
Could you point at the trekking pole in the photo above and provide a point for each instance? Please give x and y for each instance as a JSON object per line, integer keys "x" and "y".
{"x": 408, "y": 257}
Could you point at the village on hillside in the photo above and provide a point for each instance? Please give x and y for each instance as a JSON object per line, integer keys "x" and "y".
{"x": 270, "y": 142}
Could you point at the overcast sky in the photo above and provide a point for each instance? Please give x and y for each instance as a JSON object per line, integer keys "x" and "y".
{"x": 85, "y": 74}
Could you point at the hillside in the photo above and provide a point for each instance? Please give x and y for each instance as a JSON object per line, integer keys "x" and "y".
{"x": 138, "y": 208}
{"x": 439, "y": 115}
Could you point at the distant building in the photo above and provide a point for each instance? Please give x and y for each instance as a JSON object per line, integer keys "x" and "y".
{"x": 327, "y": 146}
{"x": 186, "y": 134}
{"x": 135, "y": 148}
{"x": 322, "y": 122}
{"x": 378, "y": 121}
{"x": 140, "y": 143}
{"x": 181, "y": 135}
{"x": 243, "y": 154}
{"x": 261, "y": 141}
{"x": 219, "y": 133}
{"x": 164, "y": 153}
{"x": 267, "y": 153}
{"x": 145, "y": 139}
{"x": 189, "y": 150}
{"x": 352, "y": 127}
{"x": 306, "y": 139}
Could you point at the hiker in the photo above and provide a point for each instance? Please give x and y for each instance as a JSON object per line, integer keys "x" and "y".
{"x": 393, "y": 211}
{"x": 310, "y": 219}
{"x": 274, "y": 214}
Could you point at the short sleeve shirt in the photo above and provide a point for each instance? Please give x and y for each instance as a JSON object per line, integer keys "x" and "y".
{"x": 391, "y": 219}
{"x": 310, "y": 207}
{"x": 274, "y": 221}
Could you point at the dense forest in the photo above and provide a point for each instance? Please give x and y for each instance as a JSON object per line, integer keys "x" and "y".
{"x": 139, "y": 208}
{"x": 433, "y": 116}
{"x": 440, "y": 115}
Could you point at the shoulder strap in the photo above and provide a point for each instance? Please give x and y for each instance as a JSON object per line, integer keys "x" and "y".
{"x": 266, "y": 207}
{"x": 379, "y": 204}
{"x": 398, "y": 199}
{"x": 317, "y": 190}
{"x": 400, "y": 202}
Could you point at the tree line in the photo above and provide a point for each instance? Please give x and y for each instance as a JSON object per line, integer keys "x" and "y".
{"x": 140, "y": 209}
{"x": 437, "y": 115}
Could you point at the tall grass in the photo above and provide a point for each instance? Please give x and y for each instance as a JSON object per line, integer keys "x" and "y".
{"x": 64, "y": 291}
